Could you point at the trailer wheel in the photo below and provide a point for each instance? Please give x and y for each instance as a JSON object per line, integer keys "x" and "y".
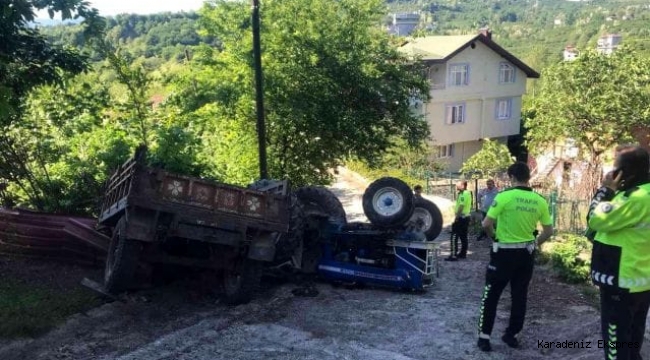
{"x": 242, "y": 282}
{"x": 388, "y": 202}
{"x": 317, "y": 199}
{"x": 121, "y": 260}
{"x": 427, "y": 217}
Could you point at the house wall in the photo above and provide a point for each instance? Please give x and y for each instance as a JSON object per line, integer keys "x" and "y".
{"x": 479, "y": 97}
{"x": 462, "y": 152}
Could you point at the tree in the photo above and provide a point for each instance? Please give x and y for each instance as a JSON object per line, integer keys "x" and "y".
{"x": 493, "y": 158}
{"x": 27, "y": 61}
{"x": 335, "y": 85}
{"x": 595, "y": 100}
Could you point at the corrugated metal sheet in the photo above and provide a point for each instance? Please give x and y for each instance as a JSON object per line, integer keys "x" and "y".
{"x": 55, "y": 237}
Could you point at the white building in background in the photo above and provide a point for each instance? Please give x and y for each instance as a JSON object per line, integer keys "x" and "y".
{"x": 403, "y": 24}
{"x": 608, "y": 43}
{"x": 476, "y": 92}
{"x": 570, "y": 53}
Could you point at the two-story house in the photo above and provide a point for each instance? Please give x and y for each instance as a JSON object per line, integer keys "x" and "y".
{"x": 476, "y": 92}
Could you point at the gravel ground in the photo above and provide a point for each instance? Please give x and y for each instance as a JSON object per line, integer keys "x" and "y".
{"x": 181, "y": 322}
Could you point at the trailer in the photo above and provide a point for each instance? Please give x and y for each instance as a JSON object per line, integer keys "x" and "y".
{"x": 155, "y": 216}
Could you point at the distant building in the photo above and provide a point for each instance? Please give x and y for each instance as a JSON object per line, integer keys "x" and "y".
{"x": 608, "y": 43}
{"x": 403, "y": 24}
{"x": 570, "y": 53}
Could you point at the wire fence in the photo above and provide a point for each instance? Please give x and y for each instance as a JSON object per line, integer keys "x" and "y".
{"x": 437, "y": 183}
{"x": 569, "y": 214}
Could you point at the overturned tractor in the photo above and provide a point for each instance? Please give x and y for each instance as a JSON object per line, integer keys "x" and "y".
{"x": 394, "y": 249}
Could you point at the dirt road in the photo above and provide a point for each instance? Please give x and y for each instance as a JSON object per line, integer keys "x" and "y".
{"x": 339, "y": 323}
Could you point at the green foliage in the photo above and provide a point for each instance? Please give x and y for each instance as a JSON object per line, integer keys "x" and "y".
{"x": 596, "y": 100}
{"x": 27, "y": 59}
{"x": 493, "y": 158}
{"x": 569, "y": 255}
{"x": 136, "y": 80}
{"x": 374, "y": 173}
{"x": 528, "y": 29}
{"x": 64, "y": 146}
{"x": 410, "y": 163}
{"x": 335, "y": 86}
{"x": 164, "y": 35}
{"x": 335, "y": 89}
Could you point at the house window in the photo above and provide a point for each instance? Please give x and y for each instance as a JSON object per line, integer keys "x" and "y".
{"x": 504, "y": 109}
{"x": 455, "y": 114}
{"x": 445, "y": 151}
{"x": 506, "y": 73}
{"x": 458, "y": 74}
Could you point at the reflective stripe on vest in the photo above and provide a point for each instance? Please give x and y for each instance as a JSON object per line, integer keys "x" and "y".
{"x": 519, "y": 245}
{"x": 635, "y": 282}
{"x": 602, "y": 278}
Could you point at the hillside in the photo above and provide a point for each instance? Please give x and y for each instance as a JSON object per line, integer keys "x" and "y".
{"x": 164, "y": 35}
{"x": 537, "y": 30}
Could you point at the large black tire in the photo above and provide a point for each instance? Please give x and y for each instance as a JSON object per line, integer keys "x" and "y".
{"x": 427, "y": 217}
{"x": 388, "y": 202}
{"x": 289, "y": 242}
{"x": 317, "y": 202}
{"x": 320, "y": 200}
{"x": 242, "y": 282}
{"x": 121, "y": 260}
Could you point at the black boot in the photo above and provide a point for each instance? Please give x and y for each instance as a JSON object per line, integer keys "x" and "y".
{"x": 510, "y": 340}
{"x": 484, "y": 345}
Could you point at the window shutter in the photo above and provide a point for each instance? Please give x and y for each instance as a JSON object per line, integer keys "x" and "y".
{"x": 510, "y": 107}
{"x": 449, "y": 110}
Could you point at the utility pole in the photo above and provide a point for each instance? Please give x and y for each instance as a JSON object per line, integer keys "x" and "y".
{"x": 259, "y": 95}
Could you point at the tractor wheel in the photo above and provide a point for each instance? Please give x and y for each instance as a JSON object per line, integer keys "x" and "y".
{"x": 289, "y": 242}
{"x": 319, "y": 200}
{"x": 388, "y": 202}
{"x": 242, "y": 282}
{"x": 427, "y": 217}
{"x": 121, "y": 260}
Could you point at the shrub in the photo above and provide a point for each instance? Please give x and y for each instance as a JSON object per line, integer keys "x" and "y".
{"x": 570, "y": 257}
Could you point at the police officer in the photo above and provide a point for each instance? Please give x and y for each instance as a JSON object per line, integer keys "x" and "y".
{"x": 460, "y": 226}
{"x": 619, "y": 224}
{"x": 517, "y": 210}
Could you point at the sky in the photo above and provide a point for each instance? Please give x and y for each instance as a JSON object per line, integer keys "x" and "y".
{"x": 114, "y": 7}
